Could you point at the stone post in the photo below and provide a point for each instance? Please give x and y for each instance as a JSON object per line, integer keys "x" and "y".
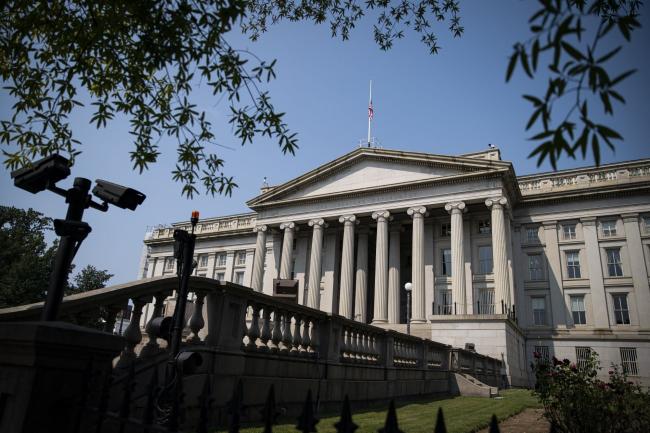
{"x": 315, "y": 259}
{"x": 393, "y": 273}
{"x": 287, "y": 250}
{"x": 361, "y": 279}
{"x": 381, "y": 267}
{"x": 499, "y": 252}
{"x": 457, "y": 256}
{"x": 257, "y": 280}
{"x": 417, "y": 272}
{"x": 347, "y": 267}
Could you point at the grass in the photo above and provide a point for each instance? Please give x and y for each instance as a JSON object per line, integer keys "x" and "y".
{"x": 462, "y": 414}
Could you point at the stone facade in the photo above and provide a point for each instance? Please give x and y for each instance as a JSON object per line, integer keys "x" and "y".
{"x": 554, "y": 263}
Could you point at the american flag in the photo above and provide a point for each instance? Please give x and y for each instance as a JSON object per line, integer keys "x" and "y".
{"x": 371, "y": 112}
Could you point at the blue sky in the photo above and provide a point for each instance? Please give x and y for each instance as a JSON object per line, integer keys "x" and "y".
{"x": 450, "y": 103}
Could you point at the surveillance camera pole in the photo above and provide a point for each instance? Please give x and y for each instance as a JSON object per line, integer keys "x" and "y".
{"x": 72, "y": 232}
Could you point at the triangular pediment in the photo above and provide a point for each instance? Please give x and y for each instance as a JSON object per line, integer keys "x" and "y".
{"x": 370, "y": 169}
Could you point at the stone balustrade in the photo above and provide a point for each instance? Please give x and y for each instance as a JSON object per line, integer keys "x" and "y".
{"x": 209, "y": 226}
{"x": 240, "y": 320}
{"x": 584, "y": 178}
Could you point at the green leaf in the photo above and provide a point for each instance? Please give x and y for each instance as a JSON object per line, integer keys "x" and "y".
{"x": 607, "y": 132}
{"x": 595, "y": 148}
{"x": 607, "y": 106}
{"x": 533, "y": 118}
{"x": 573, "y": 52}
{"x": 609, "y": 55}
{"x": 524, "y": 63}
{"x": 535, "y": 54}
{"x": 621, "y": 77}
{"x": 511, "y": 65}
{"x": 535, "y": 100}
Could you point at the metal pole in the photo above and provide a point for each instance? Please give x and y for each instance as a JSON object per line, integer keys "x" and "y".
{"x": 408, "y": 312}
{"x": 77, "y": 197}
{"x": 179, "y": 317}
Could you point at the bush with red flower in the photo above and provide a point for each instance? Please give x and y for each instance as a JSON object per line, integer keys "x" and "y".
{"x": 576, "y": 401}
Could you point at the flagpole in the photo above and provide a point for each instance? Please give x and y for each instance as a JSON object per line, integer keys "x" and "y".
{"x": 369, "y": 118}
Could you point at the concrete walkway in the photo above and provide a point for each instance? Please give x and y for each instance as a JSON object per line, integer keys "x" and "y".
{"x": 528, "y": 421}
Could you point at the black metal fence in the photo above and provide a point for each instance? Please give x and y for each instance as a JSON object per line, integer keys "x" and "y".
{"x": 161, "y": 409}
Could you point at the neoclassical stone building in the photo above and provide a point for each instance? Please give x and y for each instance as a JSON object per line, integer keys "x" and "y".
{"x": 555, "y": 263}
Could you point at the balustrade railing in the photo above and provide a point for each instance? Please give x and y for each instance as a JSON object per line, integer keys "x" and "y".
{"x": 213, "y": 225}
{"x": 240, "y": 319}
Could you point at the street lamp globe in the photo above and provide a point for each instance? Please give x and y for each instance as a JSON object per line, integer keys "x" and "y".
{"x": 408, "y": 287}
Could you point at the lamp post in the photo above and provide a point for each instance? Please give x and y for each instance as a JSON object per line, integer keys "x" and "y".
{"x": 408, "y": 287}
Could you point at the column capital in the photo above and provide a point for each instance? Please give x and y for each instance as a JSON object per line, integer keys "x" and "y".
{"x": 458, "y": 206}
{"x": 261, "y": 228}
{"x": 496, "y": 201}
{"x": 348, "y": 219}
{"x": 288, "y": 225}
{"x": 588, "y": 221}
{"x": 317, "y": 222}
{"x": 417, "y": 211}
{"x": 630, "y": 217}
{"x": 381, "y": 215}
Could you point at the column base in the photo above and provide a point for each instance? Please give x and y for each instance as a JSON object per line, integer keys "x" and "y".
{"x": 418, "y": 321}
{"x": 379, "y": 321}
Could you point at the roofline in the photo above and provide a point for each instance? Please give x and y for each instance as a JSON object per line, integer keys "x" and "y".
{"x": 583, "y": 169}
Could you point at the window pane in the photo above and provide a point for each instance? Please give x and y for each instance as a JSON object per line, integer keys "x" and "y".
{"x": 578, "y": 310}
{"x": 531, "y": 234}
{"x": 446, "y": 262}
{"x": 614, "y": 267}
{"x": 621, "y": 312}
{"x": 609, "y": 228}
{"x": 485, "y": 260}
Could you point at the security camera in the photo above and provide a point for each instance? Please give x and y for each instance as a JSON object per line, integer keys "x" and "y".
{"x": 41, "y": 174}
{"x": 118, "y": 195}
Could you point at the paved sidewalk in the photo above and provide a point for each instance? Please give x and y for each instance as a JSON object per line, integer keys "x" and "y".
{"x": 528, "y": 421}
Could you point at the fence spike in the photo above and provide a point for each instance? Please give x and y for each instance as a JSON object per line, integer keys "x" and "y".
{"x": 150, "y": 407}
{"x": 235, "y": 407}
{"x": 345, "y": 424}
{"x": 391, "y": 425}
{"x": 307, "y": 420}
{"x": 125, "y": 407}
{"x": 440, "y": 422}
{"x": 269, "y": 413}
{"x": 494, "y": 425}
{"x": 205, "y": 401}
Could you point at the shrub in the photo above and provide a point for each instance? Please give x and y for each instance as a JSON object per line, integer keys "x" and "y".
{"x": 576, "y": 401}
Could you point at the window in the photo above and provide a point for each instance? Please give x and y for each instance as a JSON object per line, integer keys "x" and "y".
{"x": 608, "y": 228}
{"x": 203, "y": 260}
{"x": 444, "y": 306}
{"x": 543, "y": 352}
{"x": 582, "y": 355}
{"x": 621, "y": 312}
{"x": 532, "y": 234}
{"x": 241, "y": 258}
{"x": 573, "y": 264}
{"x": 614, "y": 268}
{"x": 445, "y": 230}
{"x": 484, "y": 227}
{"x": 446, "y": 262}
{"x": 486, "y": 301}
{"x": 169, "y": 263}
{"x": 578, "y": 310}
{"x": 539, "y": 311}
{"x": 220, "y": 276}
{"x": 221, "y": 259}
{"x": 569, "y": 231}
{"x": 628, "y": 361}
{"x": 535, "y": 270}
{"x": 485, "y": 260}
{"x": 239, "y": 277}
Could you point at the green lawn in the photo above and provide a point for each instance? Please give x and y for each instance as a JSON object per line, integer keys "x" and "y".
{"x": 462, "y": 414}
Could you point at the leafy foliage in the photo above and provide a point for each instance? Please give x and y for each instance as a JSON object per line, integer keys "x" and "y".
{"x": 572, "y": 33}
{"x": 576, "y": 401}
{"x": 393, "y": 19}
{"x": 26, "y": 261}
{"x": 142, "y": 59}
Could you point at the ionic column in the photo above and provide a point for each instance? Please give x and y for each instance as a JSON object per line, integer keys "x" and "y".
{"x": 361, "y": 278}
{"x": 258, "y": 260}
{"x": 381, "y": 267}
{"x": 315, "y": 259}
{"x": 287, "y": 248}
{"x": 499, "y": 252}
{"x": 458, "y": 294}
{"x": 417, "y": 267}
{"x": 347, "y": 267}
{"x": 393, "y": 273}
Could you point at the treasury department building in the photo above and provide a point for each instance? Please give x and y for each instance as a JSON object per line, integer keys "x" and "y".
{"x": 554, "y": 263}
